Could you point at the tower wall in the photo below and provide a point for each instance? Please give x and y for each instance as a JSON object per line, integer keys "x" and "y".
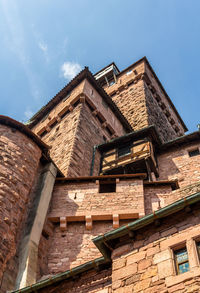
{"x": 143, "y": 101}
{"x": 19, "y": 157}
{"x": 78, "y": 123}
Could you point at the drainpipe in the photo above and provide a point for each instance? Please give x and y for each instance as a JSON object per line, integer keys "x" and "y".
{"x": 28, "y": 252}
{"x": 93, "y": 158}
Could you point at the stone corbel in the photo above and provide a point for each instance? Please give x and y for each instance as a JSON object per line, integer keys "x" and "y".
{"x": 58, "y": 118}
{"x": 88, "y": 222}
{"x": 63, "y": 224}
{"x": 71, "y": 108}
{"x": 115, "y": 221}
{"x": 48, "y": 129}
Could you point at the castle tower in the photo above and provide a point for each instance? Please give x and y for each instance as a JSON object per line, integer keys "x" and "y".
{"x": 79, "y": 117}
{"x": 142, "y": 99}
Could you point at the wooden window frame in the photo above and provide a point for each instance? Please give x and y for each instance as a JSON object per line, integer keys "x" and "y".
{"x": 175, "y": 251}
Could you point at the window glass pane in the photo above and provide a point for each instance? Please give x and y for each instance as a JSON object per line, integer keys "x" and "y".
{"x": 198, "y": 248}
{"x": 123, "y": 151}
{"x": 184, "y": 268}
{"x": 194, "y": 153}
{"x": 181, "y": 256}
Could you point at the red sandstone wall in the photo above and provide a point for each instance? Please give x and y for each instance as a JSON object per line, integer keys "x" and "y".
{"x": 143, "y": 102}
{"x": 147, "y": 264}
{"x": 61, "y": 139}
{"x": 88, "y": 134}
{"x": 73, "y": 136}
{"x": 74, "y": 246}
{"x": 129, "y": 95}
{"x": 19, "y": 158}
{"x": 172, "y": 120}
{"x": 84, "y": 199}
{"x": 176, "y": 164}
{"x": 92, "y": 281}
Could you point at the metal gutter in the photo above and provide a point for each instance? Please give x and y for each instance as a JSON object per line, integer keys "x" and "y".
{"x": 93, "y": 158}
{"x": 102, "y": 242}
{"x": 194, "y": 136}
{"x": 66, "y": 275}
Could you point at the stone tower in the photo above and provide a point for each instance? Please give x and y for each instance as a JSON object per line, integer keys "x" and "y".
{"x": 142, "y": 99}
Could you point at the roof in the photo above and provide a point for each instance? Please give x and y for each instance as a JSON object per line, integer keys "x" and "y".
{"x": 84, "y": 74}
{"x": 191, "y": 137}
{"x": 113, "y": 63}
{"x": 144, "y": 132}
{"x": 5, "y": 120}
{"x": 103, "y": 244}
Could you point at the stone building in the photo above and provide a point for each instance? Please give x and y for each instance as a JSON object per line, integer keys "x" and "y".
{"x": 100, "y": 191}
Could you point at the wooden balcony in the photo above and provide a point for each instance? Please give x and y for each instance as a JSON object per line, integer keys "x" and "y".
{"x": 130, "y": 158}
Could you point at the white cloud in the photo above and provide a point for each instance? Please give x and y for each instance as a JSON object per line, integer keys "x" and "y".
{"x": 28, "y": 114}
{"x": 70, "y": 69}
{"x": 43, "y": 46}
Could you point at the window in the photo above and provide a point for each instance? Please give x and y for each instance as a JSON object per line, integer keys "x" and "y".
{"x": 194, "y": 153}
{"x": 181, "y": 261}
{"x": 198, "y": 248}
{"x": 107, "y": 186}
{"x": 123, "y": 151}
{"x": 129, "y": 72}
{"x": 111, "y": 82}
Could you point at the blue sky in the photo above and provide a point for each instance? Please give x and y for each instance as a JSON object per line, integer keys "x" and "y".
{"x": 44, "y": 43}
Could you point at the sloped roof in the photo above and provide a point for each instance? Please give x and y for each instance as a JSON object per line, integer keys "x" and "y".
{"x": 84, "y": 74}
{"x": 5, "y": 120}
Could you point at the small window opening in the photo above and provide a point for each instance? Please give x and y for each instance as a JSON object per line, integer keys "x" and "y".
{"x": 53, "y": 124}
{"x": 43, "y": 133}
{"x": 107, "y": 187}
{"x": 64, "y": 114}
{"x": 111, "y": 82}
{"x": 109, "y": 131}
{"x": 67, "y": 96}
{"x": 123, "y": 151}
{"x": 198, "y": 248}
{"x": 194, "y": 153}
{"x": 129, "y": 72}
{"x": 181, "y": 261}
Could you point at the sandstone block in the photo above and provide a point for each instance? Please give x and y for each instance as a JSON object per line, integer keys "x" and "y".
{"x": 165, "y": 268}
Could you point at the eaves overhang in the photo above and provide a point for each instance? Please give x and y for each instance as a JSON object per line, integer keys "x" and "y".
{"x": 149, "y": 131}
{"x": 84, "y": 74}
{"x": 180, "y": 141}
{"x": 5, "y": 120}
